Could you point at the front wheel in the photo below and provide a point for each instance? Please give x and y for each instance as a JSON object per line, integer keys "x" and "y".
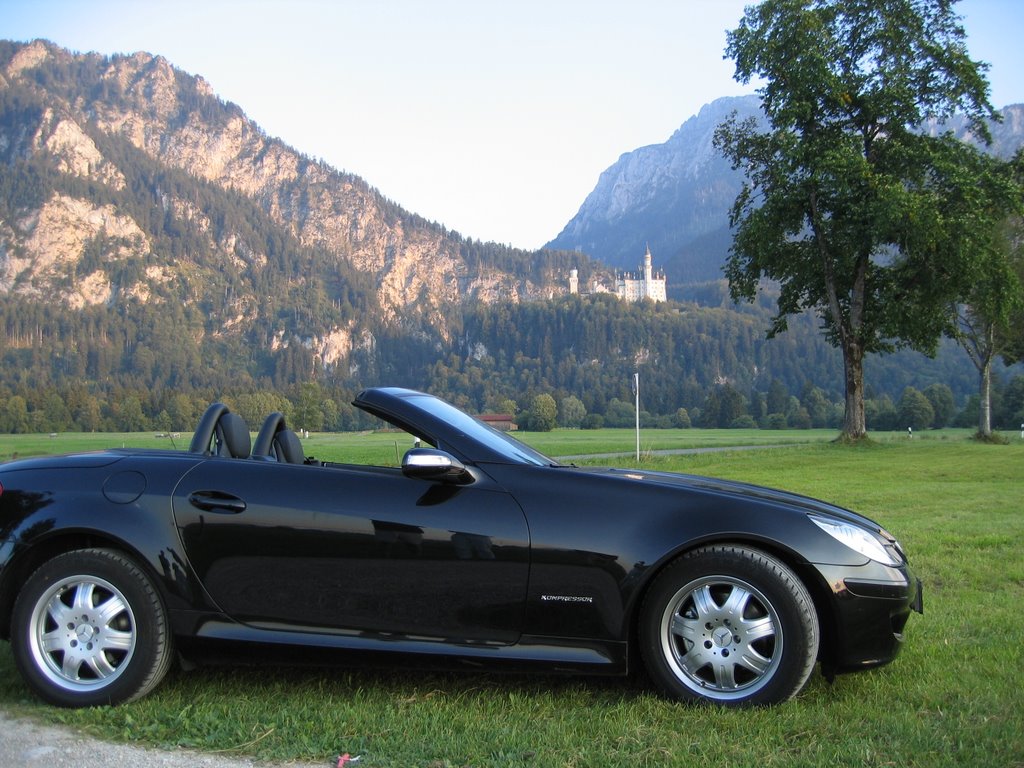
{"x": 729, "y": 625}
{"x": 89, "y": 629}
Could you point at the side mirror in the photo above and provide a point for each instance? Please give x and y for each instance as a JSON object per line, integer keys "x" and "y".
{"x": 432, "y": 464}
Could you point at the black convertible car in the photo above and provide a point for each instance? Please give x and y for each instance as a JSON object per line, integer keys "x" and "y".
{"x": 476, "y": 551}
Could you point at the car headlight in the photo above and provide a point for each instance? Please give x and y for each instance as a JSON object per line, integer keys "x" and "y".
{"x": 856, "y": 538}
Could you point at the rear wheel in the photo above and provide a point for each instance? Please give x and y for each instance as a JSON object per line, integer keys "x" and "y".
{"x": 90, "y": 629}
{"x": 729, "y": 625}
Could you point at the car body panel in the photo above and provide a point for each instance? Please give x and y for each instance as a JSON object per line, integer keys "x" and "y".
{"x": 356, "y": 548}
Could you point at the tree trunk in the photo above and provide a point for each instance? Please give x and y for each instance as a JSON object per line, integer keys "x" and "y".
{"x": 985, "y": 398}
{"x": 854, "y": 424}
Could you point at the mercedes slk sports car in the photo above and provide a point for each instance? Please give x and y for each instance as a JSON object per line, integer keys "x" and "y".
{"x": 476, "y": 551}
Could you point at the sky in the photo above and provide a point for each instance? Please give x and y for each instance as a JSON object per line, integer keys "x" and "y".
{"x": 494, "y": 118}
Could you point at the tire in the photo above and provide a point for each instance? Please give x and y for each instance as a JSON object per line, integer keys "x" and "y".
{"x": 730, "y": 626}
{"x": 89, "y": 629}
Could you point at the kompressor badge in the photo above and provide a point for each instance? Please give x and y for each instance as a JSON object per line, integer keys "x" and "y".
{"x": 566, "y": 599}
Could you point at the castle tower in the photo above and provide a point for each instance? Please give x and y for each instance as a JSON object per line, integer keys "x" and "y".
{"x": 644, "y": 284}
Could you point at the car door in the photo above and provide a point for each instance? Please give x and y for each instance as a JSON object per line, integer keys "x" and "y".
{"x": 353, "y": 548}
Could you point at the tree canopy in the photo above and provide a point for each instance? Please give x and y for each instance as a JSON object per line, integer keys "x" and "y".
{"x": 860, "y": 212}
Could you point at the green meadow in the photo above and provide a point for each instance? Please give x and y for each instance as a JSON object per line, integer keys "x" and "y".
{"x": 384, "y": 446}
{"x": 952, "y": 698}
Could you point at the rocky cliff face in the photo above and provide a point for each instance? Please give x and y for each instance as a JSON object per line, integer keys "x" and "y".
{"x": 673, "y": 196}
{"x": 1007, "y": 134}
{"x": 676, "y": 196}
{"x": 79, "y": 116}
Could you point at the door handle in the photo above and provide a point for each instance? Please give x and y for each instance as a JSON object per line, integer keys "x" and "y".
{"x": 217, "y": 501}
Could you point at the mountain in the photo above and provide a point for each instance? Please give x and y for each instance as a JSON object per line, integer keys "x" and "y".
{"x": 128, "y": 181}
{"x": 676, "y": 196}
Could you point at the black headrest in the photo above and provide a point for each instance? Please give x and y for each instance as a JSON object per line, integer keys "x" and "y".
{"x": 288, "y": 448}
{"x": 233, "y": 436}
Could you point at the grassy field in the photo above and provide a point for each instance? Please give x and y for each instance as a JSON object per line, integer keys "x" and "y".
{"x": 953, "y": 698}
{"x": 386, "y": 447}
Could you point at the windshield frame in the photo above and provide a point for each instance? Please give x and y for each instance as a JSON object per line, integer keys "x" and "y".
{"x": 449, "y": 428}
{"x": 515, "y": 451}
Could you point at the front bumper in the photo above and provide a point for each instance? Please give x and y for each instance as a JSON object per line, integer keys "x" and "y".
{"x": 870, "y": 609}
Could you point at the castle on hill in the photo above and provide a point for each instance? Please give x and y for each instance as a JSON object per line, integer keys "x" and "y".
{"x": 631, "y": 286}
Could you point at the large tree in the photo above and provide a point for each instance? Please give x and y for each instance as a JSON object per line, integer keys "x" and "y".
{"x": 852, "y": 205}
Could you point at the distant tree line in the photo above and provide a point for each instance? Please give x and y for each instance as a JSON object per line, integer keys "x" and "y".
{"x": 566, "y": 362}
{"x": 317, "y": 407}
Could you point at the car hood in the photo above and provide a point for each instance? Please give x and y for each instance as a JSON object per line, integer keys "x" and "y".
{"x": 735, "y": 488}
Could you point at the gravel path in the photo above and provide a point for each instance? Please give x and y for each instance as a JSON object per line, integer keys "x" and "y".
{"x": 678, "y": 451}
{"x": 25, "y": 744}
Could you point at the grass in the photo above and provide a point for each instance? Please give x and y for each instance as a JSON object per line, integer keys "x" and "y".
{"x": 386, "y": 447}
{"x": 953, "y": 697}
{"x": 23, "y": 446}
